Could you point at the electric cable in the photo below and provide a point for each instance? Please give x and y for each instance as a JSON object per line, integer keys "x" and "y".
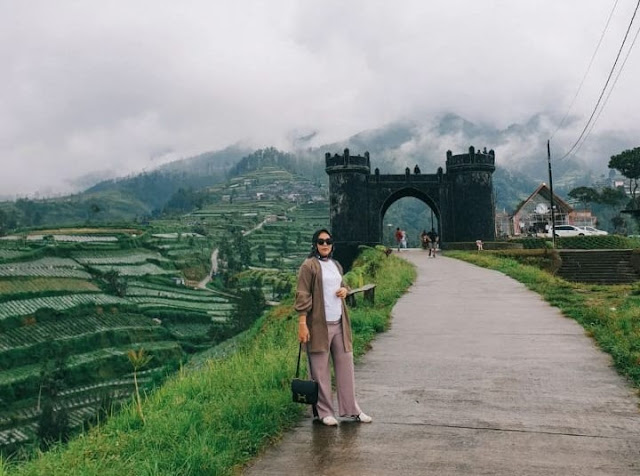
{"x": 606, "y": 84}
{"x": 615, "y": 81}
{"x": 584, "y": 77}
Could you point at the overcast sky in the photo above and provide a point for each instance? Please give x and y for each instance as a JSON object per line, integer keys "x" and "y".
{"x": 119, "y": 86}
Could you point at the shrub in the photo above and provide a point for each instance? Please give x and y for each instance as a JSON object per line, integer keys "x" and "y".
{"x": 594, "y": 242}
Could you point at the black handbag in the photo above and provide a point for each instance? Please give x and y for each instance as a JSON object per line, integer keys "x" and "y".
{"x": 303, "y": 391}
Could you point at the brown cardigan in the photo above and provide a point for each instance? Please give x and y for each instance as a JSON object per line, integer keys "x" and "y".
{"x": 308, "y": 292}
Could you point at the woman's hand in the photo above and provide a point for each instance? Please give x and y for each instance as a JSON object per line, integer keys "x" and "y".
{"x": 303, "y": 332}
{"x": 342, "y": 293}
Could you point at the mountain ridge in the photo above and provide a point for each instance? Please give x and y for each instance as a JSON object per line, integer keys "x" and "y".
{"x": 520, "y": 163}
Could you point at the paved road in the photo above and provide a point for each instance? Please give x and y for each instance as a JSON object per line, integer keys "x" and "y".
{"x": 477, "y": 375}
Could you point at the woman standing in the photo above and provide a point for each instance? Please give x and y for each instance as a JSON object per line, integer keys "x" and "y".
{"x": 324, "y": 326}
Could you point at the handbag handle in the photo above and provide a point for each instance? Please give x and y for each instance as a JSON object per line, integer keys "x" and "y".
{"x": 298, "y": 364}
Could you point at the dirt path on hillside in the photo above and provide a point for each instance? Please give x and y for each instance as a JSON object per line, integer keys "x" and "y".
{"x": 214, "y": 270}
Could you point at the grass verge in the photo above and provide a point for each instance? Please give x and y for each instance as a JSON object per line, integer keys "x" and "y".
{"x": 215, "y": 418}
{"x": 610, "y": 314}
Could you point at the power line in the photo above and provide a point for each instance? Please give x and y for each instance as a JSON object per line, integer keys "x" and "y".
{"x": 605, "y": 84}
{"x": 615, "y": 81}
{"x": 584, "y": 77}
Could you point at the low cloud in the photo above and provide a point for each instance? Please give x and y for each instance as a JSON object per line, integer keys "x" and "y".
{"x": 122, "y": 87}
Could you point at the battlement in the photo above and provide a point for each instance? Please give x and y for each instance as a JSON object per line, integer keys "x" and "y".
{"x": 337, "y": 162}
{"x": 474, "y": 160}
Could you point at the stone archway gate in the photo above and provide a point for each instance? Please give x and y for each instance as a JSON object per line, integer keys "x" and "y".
{"x": 461, "y": 197}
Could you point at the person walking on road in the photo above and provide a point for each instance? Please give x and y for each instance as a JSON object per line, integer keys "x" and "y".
{"x": 424, "y": 239}
{"x": 398, "y": 236}
{"x": 325, "y": 327}
{"x": 433, "y": 237}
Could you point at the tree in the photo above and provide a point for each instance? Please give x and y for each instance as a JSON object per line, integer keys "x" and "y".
{"x": 4, "y": 225}
{"x": 612, "y": 196}
{"x": 284, "y": 243}
{"x": 619, "y": 224}
{"x": 28, "y": 209}
{"x": 94, "y": 209}
{"x": 53, "y": 425}
{"x": 250, "y": 305}
{"x": 585, "y": 195}
{"x": 244, "y": 250}
{"x": 11, "y": 220}
{"x": 628, "y": 164}
{"x": 184, "y": 200}
{"x": 114, "y": 283}
{"x": 281, "y": 287}
{"x": 53, "y": 422}
{"x": 262, "y": 253}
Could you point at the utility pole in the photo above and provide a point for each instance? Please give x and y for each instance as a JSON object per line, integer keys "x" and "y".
{"x": 553, "y": 207}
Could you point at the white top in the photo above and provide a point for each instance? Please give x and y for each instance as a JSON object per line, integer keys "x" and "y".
{"x": 331, "y": 280}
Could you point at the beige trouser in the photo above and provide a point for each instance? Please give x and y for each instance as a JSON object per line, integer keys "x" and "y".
{"x": 345, "y": 379}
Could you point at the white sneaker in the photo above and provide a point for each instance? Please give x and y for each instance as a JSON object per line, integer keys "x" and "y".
{"x": 331, "y": 421}
{"x": 364, "y": 418}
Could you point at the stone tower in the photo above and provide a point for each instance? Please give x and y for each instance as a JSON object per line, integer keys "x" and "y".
{"x": 349, "y": 186}
{"x": 473, "y": 203}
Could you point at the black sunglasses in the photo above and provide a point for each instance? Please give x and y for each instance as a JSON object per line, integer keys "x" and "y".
{"x": 328, "y": 241}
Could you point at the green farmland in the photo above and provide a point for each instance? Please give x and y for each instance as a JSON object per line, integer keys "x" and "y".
{"x": 62, "y": 313}
{"x": 74, "y": 301}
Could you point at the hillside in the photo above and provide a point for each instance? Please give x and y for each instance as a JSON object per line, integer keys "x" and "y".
{"x": 72, "y": 304}
{"x": 212, "y": 417}
{"x": 75, "y": 301}
{"x": 179, "y": 186}
{"x": 520, "y": 159}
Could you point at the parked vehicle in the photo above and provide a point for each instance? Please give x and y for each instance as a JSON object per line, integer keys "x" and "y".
{"x": 593, "y": 231}
{"x": 568, "y": 230}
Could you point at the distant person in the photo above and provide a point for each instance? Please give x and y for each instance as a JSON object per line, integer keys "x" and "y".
{"x": 403, "y": 240}
{"x": 479, "y": 245}
{"x": 433, "y": 237}
{"x": 324, "y": 326}
{"x": 424, "y": 239}
{"x": 398, "y": 236}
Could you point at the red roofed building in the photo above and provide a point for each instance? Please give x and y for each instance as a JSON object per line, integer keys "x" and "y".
{"x": 534, "y": 214}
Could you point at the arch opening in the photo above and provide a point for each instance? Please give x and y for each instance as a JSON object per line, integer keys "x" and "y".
{"x": 413, "y": 212}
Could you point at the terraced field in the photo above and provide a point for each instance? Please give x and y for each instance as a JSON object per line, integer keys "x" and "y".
{"x": 68, "y": 328}
{"x": 89, "y": 329}
{"x": 24, "y": 307}
{"x": 211, "y": 308}
{"x": 142, "y": 269}
{"x": 44, "y": 267}
{"x": 302, "y": 221}
{"x": 75, "y": 301}
{"x": 143, "y": 292}
{"x": 26, "y": 285}
{"x": 10, "y": 254}
{"x": 119, "y": 258}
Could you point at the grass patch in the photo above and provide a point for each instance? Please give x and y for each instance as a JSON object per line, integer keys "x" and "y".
{"x": 215, "y": 418}
{"x": 610, "y": 314}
